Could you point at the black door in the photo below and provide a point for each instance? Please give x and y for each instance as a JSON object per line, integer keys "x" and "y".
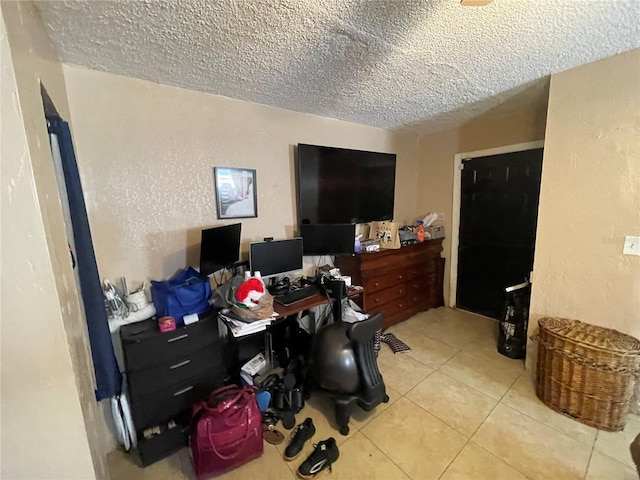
{"x": 498, "y": 217}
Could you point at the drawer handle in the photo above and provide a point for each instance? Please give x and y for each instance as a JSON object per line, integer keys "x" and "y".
{"x": 377, "y": 300}
{"x": 175, "y": 339}
{"x": 184, "y": 390}
{"x": 181, "y": 364}
{"x": 400, "y": 305}
{"x": 376, "y": 284}
{"x": 400, "y": 277}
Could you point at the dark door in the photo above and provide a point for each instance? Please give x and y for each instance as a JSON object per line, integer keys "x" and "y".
{"x": 498, "y": 217}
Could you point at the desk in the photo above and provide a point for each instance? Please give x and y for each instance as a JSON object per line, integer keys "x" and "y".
{"x": 308, "y": 303}
{"x": 288, "y": 338}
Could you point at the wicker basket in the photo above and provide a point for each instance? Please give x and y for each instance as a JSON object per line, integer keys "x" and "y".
{"x": 587, "y": 372}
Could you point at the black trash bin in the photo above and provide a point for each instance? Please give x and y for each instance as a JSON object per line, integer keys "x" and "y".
{"x": 512, "y": 337}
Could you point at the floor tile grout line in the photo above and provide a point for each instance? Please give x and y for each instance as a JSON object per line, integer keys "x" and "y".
{"x": 495, "y": 456}
{"x": 485, "y": 419}
{"x": 494, "y": 407}
{"x": 546, "y": 425}
{"x": 475, "y": 389}
{"x": 454, "y": 458}
{"x": 387, "y": 456}
{"x": 593, "y": 447}
{"x": 438, "y": 418}
{"x": 600, "y": 452}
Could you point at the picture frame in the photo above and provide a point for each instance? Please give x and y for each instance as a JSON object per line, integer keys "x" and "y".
{"x": 235, "y": 192}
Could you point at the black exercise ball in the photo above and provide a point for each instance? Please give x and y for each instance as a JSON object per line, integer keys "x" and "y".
{"x": 333, "y": 361}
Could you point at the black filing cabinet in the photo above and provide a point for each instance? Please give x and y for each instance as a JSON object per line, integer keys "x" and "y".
{"x": 167, "y": 373}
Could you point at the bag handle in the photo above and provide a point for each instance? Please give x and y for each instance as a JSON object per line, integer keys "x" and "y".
{"x": 226, "y": 403}
{"x": 240, "y": 445}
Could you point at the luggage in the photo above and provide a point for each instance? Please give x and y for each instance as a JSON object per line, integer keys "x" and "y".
{"x": 226, "y": 431}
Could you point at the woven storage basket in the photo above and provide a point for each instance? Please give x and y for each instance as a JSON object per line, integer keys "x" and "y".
{"x": 587, "y": 372}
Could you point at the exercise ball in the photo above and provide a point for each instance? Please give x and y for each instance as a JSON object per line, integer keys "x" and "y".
{"x": 333, "y": 362}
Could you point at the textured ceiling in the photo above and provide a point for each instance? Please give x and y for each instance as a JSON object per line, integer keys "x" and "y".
{"x": 385, "y": 63}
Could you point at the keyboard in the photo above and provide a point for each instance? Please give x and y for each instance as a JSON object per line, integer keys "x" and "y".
{"x": 297, "y": 295}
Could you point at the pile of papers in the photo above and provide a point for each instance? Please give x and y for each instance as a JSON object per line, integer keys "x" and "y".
{"x": 240, "y": 327}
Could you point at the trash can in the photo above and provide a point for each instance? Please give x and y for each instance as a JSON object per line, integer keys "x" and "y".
{"x": 512, "y": 337}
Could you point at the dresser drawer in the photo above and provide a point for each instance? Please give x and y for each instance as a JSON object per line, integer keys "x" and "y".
{"x": 152, "y": 408}
{"x": 415, "y": 271}
{"x": 169, "y": 373}
{"x": 146, "y": 346}
{"x": 389, "y": 279}
{"x": 166, "y": 438}
{"x": 385, "y": 296}
{"x": 390, "y": 309}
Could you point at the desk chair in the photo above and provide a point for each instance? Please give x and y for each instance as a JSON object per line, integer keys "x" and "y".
{"x": 343, "y": 365}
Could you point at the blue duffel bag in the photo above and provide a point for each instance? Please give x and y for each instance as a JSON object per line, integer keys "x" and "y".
{"x": 184, "y": 294}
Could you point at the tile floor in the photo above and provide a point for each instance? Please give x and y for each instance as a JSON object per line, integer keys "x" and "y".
{"x": 458, "y": 410}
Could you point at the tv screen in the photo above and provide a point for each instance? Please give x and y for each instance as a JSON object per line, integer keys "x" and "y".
{"x": 338, "y": 185}
{"x": 329, "y": 239}
{"x": 275, "y": 257}
{"x": 219, "y": 248}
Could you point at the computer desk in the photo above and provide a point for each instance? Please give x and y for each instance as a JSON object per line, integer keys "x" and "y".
{"x": 318, "y": 300}
{"x": 245, "y": 347}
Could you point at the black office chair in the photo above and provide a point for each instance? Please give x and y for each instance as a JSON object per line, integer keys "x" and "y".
{"x": 343, "y": 365}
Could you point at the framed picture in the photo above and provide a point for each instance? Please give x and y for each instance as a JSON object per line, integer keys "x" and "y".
{"x": 235, "y": 192}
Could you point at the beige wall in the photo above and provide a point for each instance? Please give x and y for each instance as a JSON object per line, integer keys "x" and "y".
{"x": 48, "y": 401}
{"x": 590, "y": 197}
{"x": 146, "y": 154}
{"x": 437, "y": 151}
{"x": 43, "y": 432}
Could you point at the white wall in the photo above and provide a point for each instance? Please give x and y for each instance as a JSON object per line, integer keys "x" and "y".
{"x": 146, "y": 154}
{"x": 590, "y": 197}
{"x": 43, "y": 432}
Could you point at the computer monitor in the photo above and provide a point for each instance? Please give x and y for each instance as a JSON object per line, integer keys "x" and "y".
{"x": 328, "y": 239}
{"x": 219, "y": 248}
{"x": 275, "y": 257}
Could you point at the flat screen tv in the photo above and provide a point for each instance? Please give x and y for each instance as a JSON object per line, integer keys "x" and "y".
{"x": 339, "y": 185}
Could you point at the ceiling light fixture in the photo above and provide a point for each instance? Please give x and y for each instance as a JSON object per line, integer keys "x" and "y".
{"x": 475, "y": 3}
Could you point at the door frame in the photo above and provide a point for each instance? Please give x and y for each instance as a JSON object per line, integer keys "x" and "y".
{"x": 458, "y": 158}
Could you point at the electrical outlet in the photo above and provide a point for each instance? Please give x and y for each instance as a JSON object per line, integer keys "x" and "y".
{"x": 631, "y": 245}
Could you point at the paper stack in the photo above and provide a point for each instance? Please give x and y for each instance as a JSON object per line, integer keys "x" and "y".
{"x": 241, "y": 327}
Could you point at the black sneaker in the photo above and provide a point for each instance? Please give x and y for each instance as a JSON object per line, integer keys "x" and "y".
{"x": 325, "y": 453}
{"x": 303, "y": 433}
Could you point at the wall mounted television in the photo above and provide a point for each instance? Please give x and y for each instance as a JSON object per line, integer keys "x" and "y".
{"x": 339, "y": 185}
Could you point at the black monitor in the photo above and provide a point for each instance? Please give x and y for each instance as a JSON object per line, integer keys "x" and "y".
{"x": 275, "y": 257}
{"x": 219, "y": 248}
{"x": 328, "y": 239}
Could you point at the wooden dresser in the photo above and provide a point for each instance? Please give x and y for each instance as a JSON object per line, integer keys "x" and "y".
{"x": 399, "y": 283}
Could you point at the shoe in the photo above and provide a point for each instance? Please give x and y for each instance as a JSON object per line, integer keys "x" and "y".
{"x": 303, "y": 433}
{"x": 324, "y": 454}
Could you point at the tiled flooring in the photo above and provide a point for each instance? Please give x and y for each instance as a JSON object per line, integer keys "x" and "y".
{"x": 458, "y": 411}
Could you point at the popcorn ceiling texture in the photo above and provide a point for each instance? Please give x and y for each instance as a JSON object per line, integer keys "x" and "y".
{"x": 385, "y": 63}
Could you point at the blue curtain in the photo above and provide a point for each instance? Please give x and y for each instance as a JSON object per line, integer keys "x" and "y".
{"x": 108, "y": 377}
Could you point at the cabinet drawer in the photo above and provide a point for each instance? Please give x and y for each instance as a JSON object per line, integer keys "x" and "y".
{"x": 415, "y": 271}
{"x": 389, "y": 279}
{"x": 152, "y": 408}
{"x": 384, "y": 296}
{"x": 390, "y": 309}
{"x": 144, "y": 349}
{"x": 168, "y": 438}
{"x": 169, "y": 373}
